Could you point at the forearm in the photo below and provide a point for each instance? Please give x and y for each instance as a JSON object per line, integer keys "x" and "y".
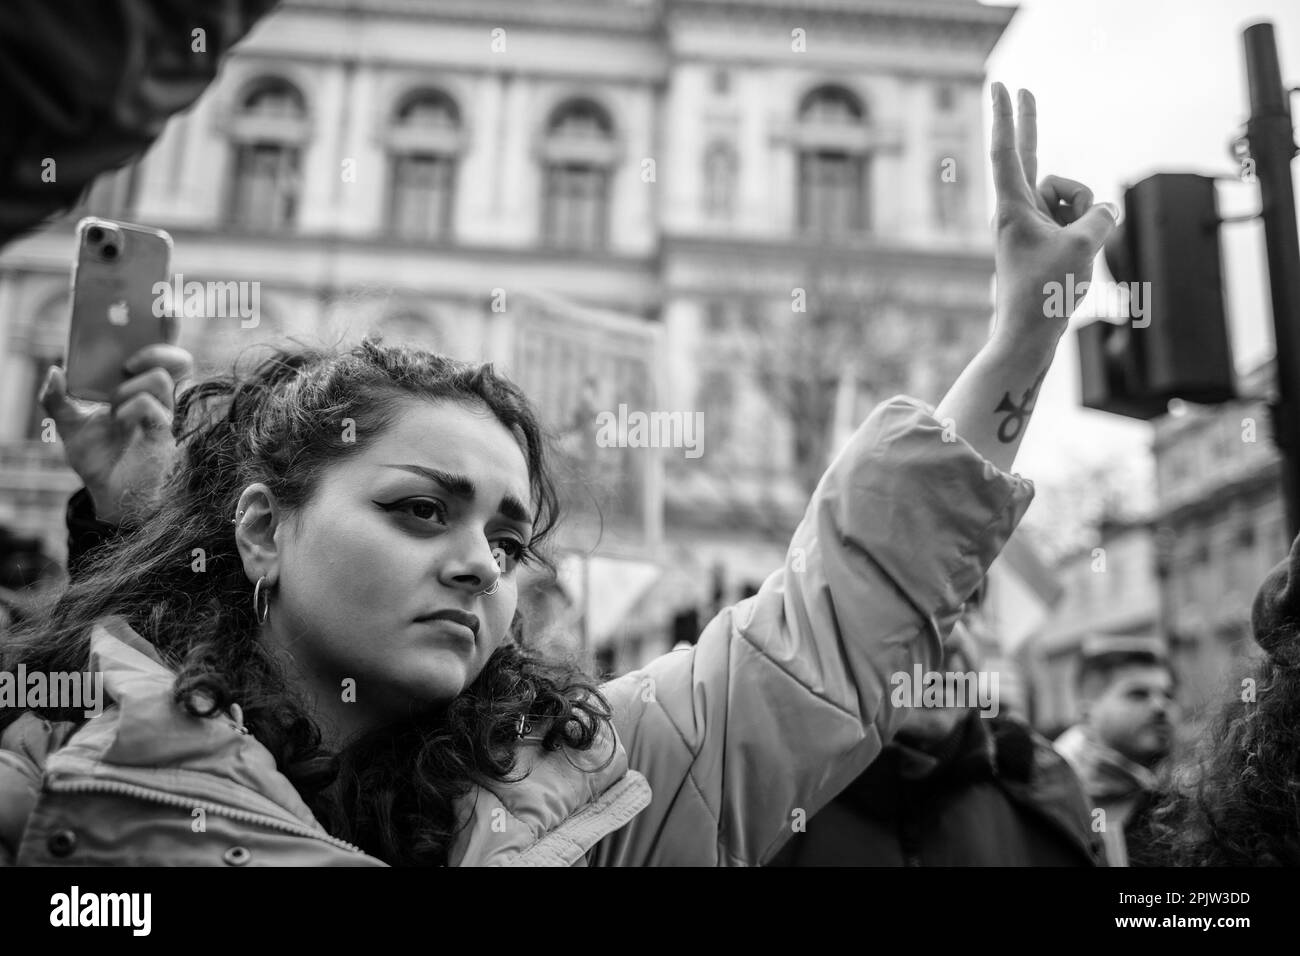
{"x": 990, "y": 404}
{"x": 1042, "y": 237}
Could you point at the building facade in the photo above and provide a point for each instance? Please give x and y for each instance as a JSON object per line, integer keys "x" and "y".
{"x": 791, "y": 194}
{"x": 1220, "y": 526}
{"x": 1186, "y": 573}
{"x": 1110, "y": 588}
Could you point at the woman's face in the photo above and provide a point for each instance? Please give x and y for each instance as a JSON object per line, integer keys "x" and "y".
{"x": 413, "y": 526}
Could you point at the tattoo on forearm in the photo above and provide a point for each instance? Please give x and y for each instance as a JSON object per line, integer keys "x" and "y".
{"x": 1017, "y": 415}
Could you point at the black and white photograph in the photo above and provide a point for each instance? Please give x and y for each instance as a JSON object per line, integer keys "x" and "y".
{"x": 792, "y": 434}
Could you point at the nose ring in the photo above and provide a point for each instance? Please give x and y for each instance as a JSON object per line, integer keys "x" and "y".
{"x": 493, "y": 589}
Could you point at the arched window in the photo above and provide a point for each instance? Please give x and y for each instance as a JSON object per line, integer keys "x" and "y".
{"x": 720, "y": 165}
{"x": 268, "y": 129}
{"x": 425, "y": 143}
{"x": 578, "y": 155}
{"x": 833, "y": 163}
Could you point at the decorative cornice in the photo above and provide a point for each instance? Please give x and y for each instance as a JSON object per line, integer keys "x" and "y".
{"x": 1220, "y": 497}
{"x": 865, "y": 253}
{"x": 964, "y": 20}
{"x": 653, "y": 75}
{"x": 642, "y": 272}
{"x": 619, "y": 16}
{"x": 967, "y": 10}
{"x": 959, "y": 23}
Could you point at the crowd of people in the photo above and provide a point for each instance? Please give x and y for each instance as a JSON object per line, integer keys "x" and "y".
{"x": 957, "y": 788}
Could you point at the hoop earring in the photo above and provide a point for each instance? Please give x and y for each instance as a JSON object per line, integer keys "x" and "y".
{"x": 493, "y": 589}
{"x": 261, "y": 608}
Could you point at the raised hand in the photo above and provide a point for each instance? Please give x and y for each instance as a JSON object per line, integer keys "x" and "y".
{"x": 1042, "y": 235}
{"x": 122, "y": 450}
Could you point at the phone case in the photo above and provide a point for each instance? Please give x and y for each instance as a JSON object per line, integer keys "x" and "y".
{"x": 115, "y": 310}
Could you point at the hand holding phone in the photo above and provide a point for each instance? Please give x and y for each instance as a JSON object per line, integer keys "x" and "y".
{"x": 115, "y": 312}
{"x": 122, "y": 450}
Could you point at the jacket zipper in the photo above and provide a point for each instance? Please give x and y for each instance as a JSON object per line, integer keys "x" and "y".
{"x": 169, "y": 799}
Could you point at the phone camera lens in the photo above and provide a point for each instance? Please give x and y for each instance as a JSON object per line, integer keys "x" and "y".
{"x": 94, "y": 234}
{"x": 110, "y": 252}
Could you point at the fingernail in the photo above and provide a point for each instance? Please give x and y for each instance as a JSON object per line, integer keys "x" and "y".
{"x": 1113, "y": 209}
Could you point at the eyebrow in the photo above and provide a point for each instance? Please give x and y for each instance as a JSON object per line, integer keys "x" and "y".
{"x": 460, "y": 486}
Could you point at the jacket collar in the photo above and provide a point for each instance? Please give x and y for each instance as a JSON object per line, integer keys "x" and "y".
{"x": 559, "y": 805}
{"x": 145, "y": 739}
{"x": 1106, "y": 773}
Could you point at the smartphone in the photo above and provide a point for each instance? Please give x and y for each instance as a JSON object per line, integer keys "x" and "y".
{"x": 115, "y": 310}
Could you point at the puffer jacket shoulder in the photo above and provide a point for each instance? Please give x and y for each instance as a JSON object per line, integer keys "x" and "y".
{"x": 24, "y": 747}
{"x": 784, "y": 700}
{"x": 144, "y": 783}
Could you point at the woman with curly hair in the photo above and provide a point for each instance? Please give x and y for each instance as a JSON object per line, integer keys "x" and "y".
{"x": 1237, "y": 803}
{"x": 306, "y": 641}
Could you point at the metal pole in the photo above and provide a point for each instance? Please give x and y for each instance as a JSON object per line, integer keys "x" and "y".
{"x": 1272, "y": 145}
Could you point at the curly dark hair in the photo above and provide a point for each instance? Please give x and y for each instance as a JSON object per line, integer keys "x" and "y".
{"x": 1238, "y": 802}
{"x": 391, "y": 792}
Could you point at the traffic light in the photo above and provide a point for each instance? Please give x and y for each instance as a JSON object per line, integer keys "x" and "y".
{"x": 1166, "y": 252}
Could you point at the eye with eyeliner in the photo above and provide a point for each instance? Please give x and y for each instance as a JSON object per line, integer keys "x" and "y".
{"x": 406, "y": 506}
{"x": 512, "y": 550}
{"x": 517, "y": 553}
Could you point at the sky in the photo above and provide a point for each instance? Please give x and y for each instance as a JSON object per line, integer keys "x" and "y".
{"x": 1126, "y": 88}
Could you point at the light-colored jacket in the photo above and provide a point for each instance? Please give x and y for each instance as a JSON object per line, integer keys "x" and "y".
{"x": 718, "y": 750}
{"x": 1115, "y": 785}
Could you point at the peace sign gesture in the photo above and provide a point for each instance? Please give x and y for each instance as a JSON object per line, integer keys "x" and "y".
{"x": 1042, "y": 235}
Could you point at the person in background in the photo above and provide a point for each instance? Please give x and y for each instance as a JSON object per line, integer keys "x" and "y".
{"x": 1126, "y": 730}
{"x": 955, "y": 788}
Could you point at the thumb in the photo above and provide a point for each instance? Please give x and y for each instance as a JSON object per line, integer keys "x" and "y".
{"x": 1096, "y": 224}
{"x": 54, "y": 399}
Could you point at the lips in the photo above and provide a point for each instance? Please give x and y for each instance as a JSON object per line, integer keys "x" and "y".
{"x": 456, "y": 617}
